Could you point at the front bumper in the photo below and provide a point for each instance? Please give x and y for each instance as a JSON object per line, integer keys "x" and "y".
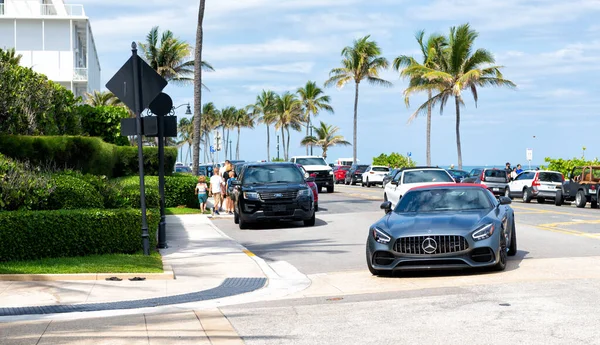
{"x": 384, "y": 257}
{"x": 256, "y": 211}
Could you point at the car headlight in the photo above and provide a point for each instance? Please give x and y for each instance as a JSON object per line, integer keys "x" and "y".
{"x": 330, "y": 172}
{"x": 304, "y": 192}
{"x": 380, "y": 236}
{"x": 251, "y": 196}
{"x": 483, "y": 232}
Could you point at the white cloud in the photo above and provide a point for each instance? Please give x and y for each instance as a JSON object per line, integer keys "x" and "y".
{"x": 271, "y": 48}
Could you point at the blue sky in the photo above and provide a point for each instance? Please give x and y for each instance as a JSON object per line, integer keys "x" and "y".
{"x": 550, "y": 49}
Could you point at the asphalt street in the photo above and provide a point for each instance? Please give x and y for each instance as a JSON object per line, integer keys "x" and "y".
{"x": 337, "y": 242}
{"x": 549, "y": 293}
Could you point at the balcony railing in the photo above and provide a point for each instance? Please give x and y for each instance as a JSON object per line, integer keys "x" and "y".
{"x": 80, "y": 74}
{"x": 44, "y": 10}
{"x": 71, "y": 10}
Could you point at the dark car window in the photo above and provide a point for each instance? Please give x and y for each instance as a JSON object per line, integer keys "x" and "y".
{"x": 311, "y": 161}
{"x": 397, "y": 176}
{"x": 346, "y": 168}
{"x": 444, "y": 199}
{"x": 271, "y": 174}
{"x": 381, "y": 169}
{"x": 475, "y": 172}
{"x": 458, "y": 173}
{"x": 550, "y": 177}
{"x": 362, "y": 167}
{"x": 422, "y": 176}
{"x": 183, "y": 169}
{"x": 495, "y": 173}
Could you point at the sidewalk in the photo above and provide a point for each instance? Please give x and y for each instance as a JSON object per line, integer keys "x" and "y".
{"x": 208, "y": 266}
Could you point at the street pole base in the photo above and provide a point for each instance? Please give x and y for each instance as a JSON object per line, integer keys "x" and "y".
{"x": 162, "y": 234}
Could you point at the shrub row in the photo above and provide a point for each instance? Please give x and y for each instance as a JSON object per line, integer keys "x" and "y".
{"x": 179, "y": 190}
{"x": 86, "y": 154}
{"x": 27, "y": 235}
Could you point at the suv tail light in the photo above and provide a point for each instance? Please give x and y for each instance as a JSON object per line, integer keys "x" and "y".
{"x": 593, "y": 187}
{"x": 563, "y": 177}
{"x": 482, "y": 177}
{"x": 536, "y": 181}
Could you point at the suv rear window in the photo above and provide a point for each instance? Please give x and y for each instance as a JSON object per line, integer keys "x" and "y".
{"x": 272, "y": 174}
{"x": 550, "y": 177}
{"x": 311, "y": 161}
{"x": 495, "y": 173}
{"x": 382, "y": 169}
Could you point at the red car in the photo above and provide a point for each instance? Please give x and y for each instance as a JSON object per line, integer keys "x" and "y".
{"x": 313, "y": 187}
{"x": 339, "y": 173}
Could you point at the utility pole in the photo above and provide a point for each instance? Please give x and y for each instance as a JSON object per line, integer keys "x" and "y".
{"x": 277, "y": 146}
{"x": 230, "y": 150}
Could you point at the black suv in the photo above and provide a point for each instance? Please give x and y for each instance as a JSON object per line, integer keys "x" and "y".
{"x": 272, "y": 191}
{"x": 354, "y": 175}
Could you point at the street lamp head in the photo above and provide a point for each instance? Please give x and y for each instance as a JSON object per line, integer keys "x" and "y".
{"x": 188, "y": 110}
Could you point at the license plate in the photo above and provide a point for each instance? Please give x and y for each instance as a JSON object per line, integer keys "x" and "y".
{"x": 278, "y": 208}
{"x": 592, "y": 191}
{"x": 496, "y": 189}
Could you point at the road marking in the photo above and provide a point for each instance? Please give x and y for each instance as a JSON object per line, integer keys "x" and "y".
{"x": 575, "y": 222}
{"x": 554, "y": 212}
{"x": 249, "y": 253}
{"x": 362, "y": 196}
{"x": 217, "y": 328}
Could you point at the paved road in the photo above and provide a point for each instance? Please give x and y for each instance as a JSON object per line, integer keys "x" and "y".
{"x": 337, "y": 241}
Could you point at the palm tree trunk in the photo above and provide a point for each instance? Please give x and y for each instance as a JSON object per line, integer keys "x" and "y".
{"x": 307, "y": 128}
{"x": 429, "y": 130}
{"x": 283, "y": 143}
{"x": 223, "y": 145}
{"x": 237, "y": 147}
{"x": 198, "y": 88}
{"x": 288, "y": 143}
{"x": 268, "y": 144}
{"x": 458, "y": 149}
{"x": 354, "y": 144}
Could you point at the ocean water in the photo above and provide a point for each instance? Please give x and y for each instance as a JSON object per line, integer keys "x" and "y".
{"x": 500, "y": 166}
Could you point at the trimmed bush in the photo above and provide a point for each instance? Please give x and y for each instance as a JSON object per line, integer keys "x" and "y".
{"x": 73, "y": 193}
{"x": 27, "y": 235}
{"x": 85, "y": 154}
{"x": 179, "y": 190}
{"x": 21, "y": 188}
{"x": 129, "y": 188}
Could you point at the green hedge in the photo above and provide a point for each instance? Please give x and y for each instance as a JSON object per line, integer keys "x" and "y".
{"x": 73, "y": 193}
{"x": 85, "y": 154}
{"x": 27, "y": 235}
{"x": 21, "y": 187}
{"x": 179, "y": 190}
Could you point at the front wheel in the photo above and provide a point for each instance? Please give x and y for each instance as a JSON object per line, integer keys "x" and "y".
{"x": 242, "y": 223}
{"x": 236, "y": 217}
{"x": 594, "y": 204}
{"x": 580, "y": 199}
{"x": 368, "y": 184}
{"x": 526, "y": 195}
{"x": 501, "y": 265}
{"x": 330, "y": 189}
{"x": 310, "y": 221}
{"x": 512, "y": 250}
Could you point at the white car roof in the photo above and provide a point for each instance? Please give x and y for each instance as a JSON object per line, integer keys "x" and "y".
{"x": 379, "y": 166}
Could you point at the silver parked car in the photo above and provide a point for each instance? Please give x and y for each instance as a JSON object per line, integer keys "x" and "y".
{"x": 495, "y": 180}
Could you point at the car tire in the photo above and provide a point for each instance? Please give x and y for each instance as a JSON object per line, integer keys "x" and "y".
{"x": 558, "y": 198}
{"x": 316, "y": 207}
{"x": 311, "y": 221}
{"x": 236, "y": 217}
{"x": 580, "y": 199}
{"x": 512, "y": 250}
{"x": 243, "y": 225}
{"x": 541, "y": 200}
{"x": 368, "y": 184}
{"x": 330, "y": 189}
{"x": 352, "y": 182}
{"x": 501, "y": 265}
{"x": 346, "y": 182}
{"x": 507, "y": 193}
{"x": 370, "y": 264}
{"x": 526, "y": 195}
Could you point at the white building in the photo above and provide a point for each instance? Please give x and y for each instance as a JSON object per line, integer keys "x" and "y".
{"x": 53, "y": 38}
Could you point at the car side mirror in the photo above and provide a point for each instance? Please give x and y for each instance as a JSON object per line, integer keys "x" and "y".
{"x": 395, "y": 183}
{"x": 504, "y": 200}
{"x": 310, "y": 179}
{"x": 386, "y": 206}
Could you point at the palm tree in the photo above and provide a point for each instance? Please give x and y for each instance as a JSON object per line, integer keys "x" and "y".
{"x": 431, "y": 50}
{"x": 185, "y": 129}
{"x": 171, "y": 57}
{"x": 198, "y": 86}
{"x": 264, "y": 109}
{"x": 460, "y": 69}
{"x": 225, "y": 120}
{"x": 242, "y": 119}
{"x": 10, "y": 56}
{"x": 360, "y": 61}
{"x": 288, "y": 112}
{"x": 326, "y": 138}
{"x": 102, "y": 98}
{"x": 210, "y": 115}
{"x": 313, "y": 100}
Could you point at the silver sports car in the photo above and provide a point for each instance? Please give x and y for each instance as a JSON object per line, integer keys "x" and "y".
{"x": 443, "y": 227}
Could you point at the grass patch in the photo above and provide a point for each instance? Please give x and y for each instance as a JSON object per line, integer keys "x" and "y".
{"x": 109, "y": 263}
{"x": 183, "y": 210}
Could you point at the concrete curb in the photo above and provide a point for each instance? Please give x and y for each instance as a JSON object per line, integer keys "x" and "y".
{"x": 168, "y": 274}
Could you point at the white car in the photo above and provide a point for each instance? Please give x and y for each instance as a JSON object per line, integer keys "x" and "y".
{"x": 317, "y": 167}
{"x": 408, "y": 178}
{"x": 539, "y": 184}
{"x": 374, "y": 175}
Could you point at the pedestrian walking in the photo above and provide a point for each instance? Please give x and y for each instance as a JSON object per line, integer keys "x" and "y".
{"x": 216, "y": 185}
{"x": 508, "y": 170}
{"x": 201, "y": 191}
{"x": 228, "y": 191}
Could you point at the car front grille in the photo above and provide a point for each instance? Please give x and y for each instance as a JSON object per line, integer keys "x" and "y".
{"x": 320, "y": 174}
{"x": 418, "y": 245}
{"x": 278, "y": 195}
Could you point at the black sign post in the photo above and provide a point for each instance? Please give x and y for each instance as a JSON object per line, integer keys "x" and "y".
{"x": 136, "y": 84}
{"x": 161, "y": 106}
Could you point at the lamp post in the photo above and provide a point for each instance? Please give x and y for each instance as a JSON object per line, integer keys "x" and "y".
{"x": 230, "y": 150}
{"x": 277, "y": 146}
{"x": 162, "y": 236}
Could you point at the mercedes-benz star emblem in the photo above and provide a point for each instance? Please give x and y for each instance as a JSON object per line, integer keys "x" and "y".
{"x": 429, "y": 245}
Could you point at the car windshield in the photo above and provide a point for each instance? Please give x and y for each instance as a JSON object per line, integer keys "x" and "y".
{"x": 444, "y": 199}
{"x": 424, "y": 176}
{"x": 311, "y": 161}
{"x": 272, "y": 174}
{"x": 381, "y": 169}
